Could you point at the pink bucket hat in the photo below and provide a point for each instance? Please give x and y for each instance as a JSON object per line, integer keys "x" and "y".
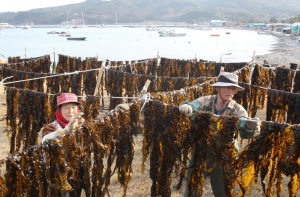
{"x": 67, "y": 98}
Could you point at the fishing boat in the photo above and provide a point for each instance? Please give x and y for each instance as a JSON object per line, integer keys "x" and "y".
{"x": 76, "y": 38}
{"x": 264, "y": 32}
{"x": 5, "y": 25}
{"x": 201, "y": 28}
{"x": 170, "y": 33}
{"x": 52, "y": 32}
{"x": 152, "y": 29}
{"x": 25, "y": 27}
{"x": 63, "y": 32}
{"x": 215, "y": 35}
{"x": 65, "y": 35}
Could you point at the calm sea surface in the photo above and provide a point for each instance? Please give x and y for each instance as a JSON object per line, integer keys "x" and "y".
{"x": 136, "y": 43}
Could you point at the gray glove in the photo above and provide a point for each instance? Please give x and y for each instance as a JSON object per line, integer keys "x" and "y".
{"x": 253, "y": 125}
{"x": 186, "y": 110}
{"x": 123, "y": 106}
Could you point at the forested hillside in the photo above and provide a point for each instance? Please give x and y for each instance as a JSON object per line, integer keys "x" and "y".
{"x": 134, "y": 11}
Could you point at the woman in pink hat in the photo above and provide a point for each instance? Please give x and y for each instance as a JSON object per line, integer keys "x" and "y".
{"x": 67, "y": 115}
{"x": 68, "y": 118}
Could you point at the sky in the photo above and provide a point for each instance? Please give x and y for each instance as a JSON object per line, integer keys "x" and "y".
{"x": 23, "y": 5}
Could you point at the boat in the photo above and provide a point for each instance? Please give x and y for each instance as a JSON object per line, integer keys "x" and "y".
{"x": 264, "y": 32}
{"x": 227, "y": 32}
{"x": 170, "y": 33}
{"x": 26, "y": 27}
{"x": 52, "y": 32}
{"x": 5, "y": 25}
{"x": 201, "y": 28}
{"x": 63, "y": 32}
{"x": 152, "y": 29}
{"x": 76, "y": 38}
{"x": 215, "y": 35}
{"x": 65, "y": 35}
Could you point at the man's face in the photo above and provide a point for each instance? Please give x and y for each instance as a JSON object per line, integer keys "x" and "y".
{"x": 227, "y": 92}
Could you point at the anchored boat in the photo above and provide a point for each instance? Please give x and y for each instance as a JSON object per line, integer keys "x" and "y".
{"x": 170, "y": 33}
{"x": 76, "y": 38}
{"x": 152, "y": 29}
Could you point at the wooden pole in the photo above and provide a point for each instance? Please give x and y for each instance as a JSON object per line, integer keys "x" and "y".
{"x": 144, "y": 90}
{"x": 54, "y": 63}
{"x": 96, "y": 92}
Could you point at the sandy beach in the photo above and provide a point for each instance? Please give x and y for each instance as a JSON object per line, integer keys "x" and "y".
{"x": 285, "y": 51}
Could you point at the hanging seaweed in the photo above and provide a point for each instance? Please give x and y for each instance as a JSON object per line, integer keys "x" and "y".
{"x": 262, "y": 76}
{"x": 261, "y": 158}
{"x": 91, "y": 108}
{"x": 284, "y": 79}
{"x": 11, "y": 117}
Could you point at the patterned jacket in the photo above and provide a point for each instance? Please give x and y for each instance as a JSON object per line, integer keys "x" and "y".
{"x": 233, "y": 108}
{"x": 54, "y": 126}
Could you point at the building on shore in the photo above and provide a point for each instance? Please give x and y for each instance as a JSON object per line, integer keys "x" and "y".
{"x": 216, "y": 23}
{"x": 295, "y": 29}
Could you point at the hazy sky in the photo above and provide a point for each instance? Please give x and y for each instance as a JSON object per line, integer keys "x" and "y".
{"x": 22, "y": 5}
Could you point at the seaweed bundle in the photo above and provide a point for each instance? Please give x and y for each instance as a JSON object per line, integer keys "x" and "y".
{"x": 284, "y": 79}
{"x": 262, "y": 76}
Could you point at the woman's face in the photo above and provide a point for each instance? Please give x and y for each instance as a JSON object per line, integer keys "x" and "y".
{"x": 69, "y": 110}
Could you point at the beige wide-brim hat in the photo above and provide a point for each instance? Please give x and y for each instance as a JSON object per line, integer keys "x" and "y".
{"x": 228, "y": 79}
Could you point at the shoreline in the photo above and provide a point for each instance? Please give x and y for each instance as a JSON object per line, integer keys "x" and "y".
{"x": 285, "y": 50}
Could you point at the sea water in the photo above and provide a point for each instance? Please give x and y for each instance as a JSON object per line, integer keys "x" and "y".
{"x": 126, "y": 43}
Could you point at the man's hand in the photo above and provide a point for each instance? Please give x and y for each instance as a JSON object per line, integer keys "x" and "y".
{"x": 186, "y": 110}
{"x": 123, "y": 106}
{"x": 74, "y": 123}
{"x": 253, "y": 124}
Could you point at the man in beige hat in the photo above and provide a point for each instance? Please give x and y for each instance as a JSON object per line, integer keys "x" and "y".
{"x": 221, "y": 104}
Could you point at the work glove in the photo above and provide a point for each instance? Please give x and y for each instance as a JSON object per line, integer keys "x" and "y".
{"x": 253, "y": 125}
{"x": 122, "y": 106}
{"x": 186, "y": 110}
{"x": 73, "y": 124}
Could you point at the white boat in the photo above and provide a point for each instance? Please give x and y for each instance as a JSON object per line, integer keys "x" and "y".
{"x": 170, "y": 33}
{"x": 52, "y": 32}
{"x": 5, "y": 25}
{"x": 264, "y": 32}
{"x": 201, "y": 28}
{"x": 63, "y": 32}
{"x": 152, "y": 29}
{"x": 25, "y": 27}
{"x": 65, "y": 35}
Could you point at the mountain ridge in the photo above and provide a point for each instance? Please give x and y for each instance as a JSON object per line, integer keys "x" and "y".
{"x": 135, "y": 11}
